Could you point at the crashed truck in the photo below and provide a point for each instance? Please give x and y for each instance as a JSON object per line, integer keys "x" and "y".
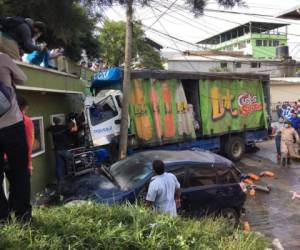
{"x": 171, "y": 110}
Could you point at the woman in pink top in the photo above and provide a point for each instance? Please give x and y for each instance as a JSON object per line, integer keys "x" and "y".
{"x": 29, "y": 128}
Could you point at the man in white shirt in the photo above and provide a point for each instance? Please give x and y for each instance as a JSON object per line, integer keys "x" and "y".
{"x": 164, "y": 190}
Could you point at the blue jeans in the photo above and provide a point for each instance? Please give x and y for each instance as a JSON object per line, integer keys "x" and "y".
{"x": 278, "y": 144}
{"x": 38, "y": 57}
{"x": 62, "y": 160}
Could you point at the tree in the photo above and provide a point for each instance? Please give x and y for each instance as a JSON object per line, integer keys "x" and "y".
{"x": 68, "y": 23}
{"x": 196, "y": 6}
{"x": 112, "y": 44}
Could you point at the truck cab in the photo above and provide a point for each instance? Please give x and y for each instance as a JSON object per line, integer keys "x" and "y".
{"x": 103, "y": 113}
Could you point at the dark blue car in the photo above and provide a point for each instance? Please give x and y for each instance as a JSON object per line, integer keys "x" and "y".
{"x": 210, "y": 184}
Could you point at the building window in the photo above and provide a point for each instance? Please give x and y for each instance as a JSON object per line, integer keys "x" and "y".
{"x": 265, "y": 43}
{"x": 223, "y": 65}
{"x": 39, "y": 136}
{"x": 61, "y": 117}
{"x": 255, "y": 65}
{"x": 103, "y": 111}
{"x": 270, "y": 43}
{"x": 238, "y": 65}
{"x": 275, "y": 43}
{"x": 259, "y": 43}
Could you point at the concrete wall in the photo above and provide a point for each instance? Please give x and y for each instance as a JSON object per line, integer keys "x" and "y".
{"x": 284, "y": 92}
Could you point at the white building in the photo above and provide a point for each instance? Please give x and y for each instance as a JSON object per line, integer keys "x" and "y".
{"x": 225, "y": 63}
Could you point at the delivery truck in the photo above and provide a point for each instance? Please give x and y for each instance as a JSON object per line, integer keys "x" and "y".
{"x": 221, "y": 112}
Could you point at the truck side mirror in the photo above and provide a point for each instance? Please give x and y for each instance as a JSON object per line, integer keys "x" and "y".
{"x": 118, "y": 121}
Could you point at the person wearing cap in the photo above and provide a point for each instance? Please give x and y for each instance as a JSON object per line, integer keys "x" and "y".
{"x": 18, "y": 34}
{"x": 288, "y": 136}
{"x": 276, "y": 131}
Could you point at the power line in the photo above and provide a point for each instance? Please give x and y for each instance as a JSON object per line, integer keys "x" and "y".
{"x": 159, "y": 17}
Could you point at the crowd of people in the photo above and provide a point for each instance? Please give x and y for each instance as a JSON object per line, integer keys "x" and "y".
{"x": 18, "y": 36}
{"x": 286, "y": 131}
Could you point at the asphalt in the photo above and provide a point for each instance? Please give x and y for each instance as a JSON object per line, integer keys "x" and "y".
{"x": 275, "y": 214}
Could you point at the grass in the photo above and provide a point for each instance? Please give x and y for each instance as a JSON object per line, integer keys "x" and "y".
{"x": 131, "y": 227}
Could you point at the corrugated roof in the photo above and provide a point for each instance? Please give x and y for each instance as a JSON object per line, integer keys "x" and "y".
{"x": 241, "y": 30}
{"x": 291, "y": 13}
{"x": 220, "y": 58}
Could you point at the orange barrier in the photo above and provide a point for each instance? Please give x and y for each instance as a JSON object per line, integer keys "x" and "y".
{"x": 267, "y": 173}
{"x": 253, "y": 176}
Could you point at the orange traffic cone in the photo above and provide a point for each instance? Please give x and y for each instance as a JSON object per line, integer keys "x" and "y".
{"x": 248, "y": 182}
{"x": 247, "y": 227}
{"x": 253, "y": 176}
{"x": 267, "y": 173}
{"x": 252, "y": 192}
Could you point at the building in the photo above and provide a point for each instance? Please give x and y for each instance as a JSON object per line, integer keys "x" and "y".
{"x": 293, "y": 13}
{"x": 284, "y": 89}
{"x": 256, "y": 39}
{"x": 50, "y": 93}
{"x": 208, "y": 61}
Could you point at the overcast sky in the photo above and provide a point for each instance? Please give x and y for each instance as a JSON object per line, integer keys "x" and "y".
{"x": 180, "y": 23}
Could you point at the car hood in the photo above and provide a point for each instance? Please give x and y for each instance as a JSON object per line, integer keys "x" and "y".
{"x": 96, "y": 187}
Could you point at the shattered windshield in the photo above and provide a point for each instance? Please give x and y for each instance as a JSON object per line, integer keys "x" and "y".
{"x": 132, "y": 170}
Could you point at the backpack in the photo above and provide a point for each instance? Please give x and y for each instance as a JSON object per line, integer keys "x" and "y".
{"x": 6, "y": 95}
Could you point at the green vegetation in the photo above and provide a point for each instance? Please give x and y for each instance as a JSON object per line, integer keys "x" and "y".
{"x": 112, "y": 44}
{"x": 121, "y": 227}
{"x": 69, "y": 23}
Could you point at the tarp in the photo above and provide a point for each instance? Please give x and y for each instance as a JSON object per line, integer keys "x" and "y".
{"x": 159, "y": 111}
{"x": 109, "y": 77}
{"x": 232, "y": 105}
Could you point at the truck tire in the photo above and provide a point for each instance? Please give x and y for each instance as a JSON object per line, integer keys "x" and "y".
{"x": 235, "y": 148}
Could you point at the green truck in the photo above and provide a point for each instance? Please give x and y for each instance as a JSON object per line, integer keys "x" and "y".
{"x": 222, "y": 112}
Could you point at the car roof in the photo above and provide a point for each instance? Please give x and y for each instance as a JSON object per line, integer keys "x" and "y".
{"x": 187, "y": 156}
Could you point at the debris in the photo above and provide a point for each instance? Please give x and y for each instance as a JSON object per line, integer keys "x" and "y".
{"x": 247, "y": 227}
{"x": 295, "y": 195}
{"x": 248, "y": 182}
{"x": 265, "y": 189}
{"x": 252, "y": 192}
{"x": 253, "y": 176}
{"x": 267, "y": 173}
{"x": 276, "y": 243}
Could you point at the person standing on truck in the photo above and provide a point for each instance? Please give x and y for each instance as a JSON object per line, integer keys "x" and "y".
{"x": 277, "y": 126}
{"x": 164, "y": 190}
{"x": 17, "y": 33}
{"x": 288, "y": 137}
{"x": 13, "y": 143}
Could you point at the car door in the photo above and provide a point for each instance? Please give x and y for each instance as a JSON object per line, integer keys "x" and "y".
{"x": 180, "y": 173}
{"x": 229, "y": 193}
{"x": 198, "y": 198}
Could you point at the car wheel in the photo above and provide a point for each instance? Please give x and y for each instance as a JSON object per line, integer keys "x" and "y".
{"x": 231, "y": 216}
{"x": 235, "y": 148}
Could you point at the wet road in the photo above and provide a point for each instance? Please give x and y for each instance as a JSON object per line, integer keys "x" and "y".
{"x": 276, "y": 215}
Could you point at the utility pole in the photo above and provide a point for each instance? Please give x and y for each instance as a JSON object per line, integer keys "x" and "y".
{"x": 126, "y": 83}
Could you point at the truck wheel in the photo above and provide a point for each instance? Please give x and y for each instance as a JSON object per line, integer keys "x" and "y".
{"x": 235, "y": 148}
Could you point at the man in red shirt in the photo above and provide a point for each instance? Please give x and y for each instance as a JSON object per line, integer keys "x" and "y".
{"x": 29, "y": 128}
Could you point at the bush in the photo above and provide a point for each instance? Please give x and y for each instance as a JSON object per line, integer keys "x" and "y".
{"x": 94, "y": 226}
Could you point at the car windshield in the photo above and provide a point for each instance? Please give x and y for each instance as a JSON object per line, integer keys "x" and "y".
{"x": 129, "y": 172}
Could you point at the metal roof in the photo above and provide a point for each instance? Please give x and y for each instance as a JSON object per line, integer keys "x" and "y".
{"x": 293, "y": 13}
{"x": 241, "y": 30}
